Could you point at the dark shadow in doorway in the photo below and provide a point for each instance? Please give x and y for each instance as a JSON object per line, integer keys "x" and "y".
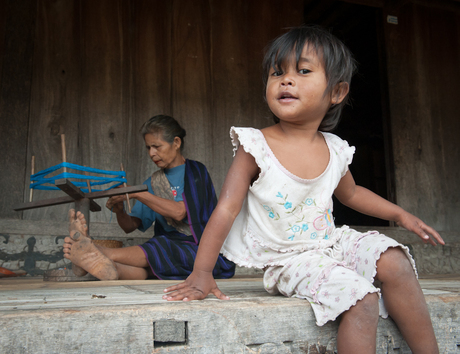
{"x": 362, "y": 123}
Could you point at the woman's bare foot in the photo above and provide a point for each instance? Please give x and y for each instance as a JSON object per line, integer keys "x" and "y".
{"x": 78, "y": 271}
{"x": 80, "y": 249}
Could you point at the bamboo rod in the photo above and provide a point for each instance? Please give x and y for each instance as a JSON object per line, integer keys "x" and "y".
{"x": 32, "y": 171}
{"x": 64, "y": 157}
{"x": 127, "y": 195}
{"x": 88, "y": 183}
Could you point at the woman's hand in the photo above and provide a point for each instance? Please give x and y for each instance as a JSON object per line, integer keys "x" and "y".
{"x": 418, "y": 227}
{"x": 115, "y": 203}
{"x": 196, "y": 287}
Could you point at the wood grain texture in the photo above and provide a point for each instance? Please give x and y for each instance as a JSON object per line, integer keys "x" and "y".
{"x": 423, "y": 81}
{"x": 132, "y": 308}
{"x": 240, "y": 30}
{"x": 17, "y": 48}
{"x": 106, "y": 86}
{"x": 96, "y": 70}
{"x": 151, "y": 74}
{"x": 266, "y": 21}
{"x": 55, "y": 96}
{"x": 3, "y": 17}
{"x": 191, "y": 77}
{"x": 230, "y": 81}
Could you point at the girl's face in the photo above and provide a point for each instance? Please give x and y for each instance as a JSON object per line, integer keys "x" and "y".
{"x": 299, "y": 95}
{"x": 162, "y": 153}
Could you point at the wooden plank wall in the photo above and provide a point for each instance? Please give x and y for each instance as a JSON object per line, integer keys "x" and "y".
{"x": 101, "y": 68}
{"x": 96, "y": 70}
{"x": 423, "y": 54}
{"x": 17, "y": 26}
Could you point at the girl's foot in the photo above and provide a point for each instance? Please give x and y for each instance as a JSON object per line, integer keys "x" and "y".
{"x": 80, "y": 249}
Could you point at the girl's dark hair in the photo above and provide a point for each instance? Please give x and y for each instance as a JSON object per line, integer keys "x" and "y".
{"x": 336, "y": 58}
{"x": 167, "y": 126}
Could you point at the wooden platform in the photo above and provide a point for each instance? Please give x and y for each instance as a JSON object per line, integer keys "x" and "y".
{"x": 131, "y": 317}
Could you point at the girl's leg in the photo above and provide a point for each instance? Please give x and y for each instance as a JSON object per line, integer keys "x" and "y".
{"x": 332, "y": 290}
{"x": 358, "y": 327}
{"x": 405, "y": 301}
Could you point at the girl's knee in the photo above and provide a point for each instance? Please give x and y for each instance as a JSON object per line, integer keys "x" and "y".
{"x": 369, "y": 303}
{"x": 366, "y": 309}
{"x": 394, "y": 264}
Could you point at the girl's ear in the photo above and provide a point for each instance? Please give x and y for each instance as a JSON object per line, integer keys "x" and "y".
{"x": 339, "y": 92}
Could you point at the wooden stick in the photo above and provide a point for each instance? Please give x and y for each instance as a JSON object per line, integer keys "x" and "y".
{"x": 88, "y": 183}
{"x": 64, "y": 157}
{"x": 127, "y": 195}
{"x": 32, "y": 171}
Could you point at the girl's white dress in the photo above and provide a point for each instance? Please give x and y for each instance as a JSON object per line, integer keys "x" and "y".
{"x": 286, "y": 228}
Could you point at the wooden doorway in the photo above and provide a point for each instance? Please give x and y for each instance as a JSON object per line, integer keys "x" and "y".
{"x": 364, "y": 122}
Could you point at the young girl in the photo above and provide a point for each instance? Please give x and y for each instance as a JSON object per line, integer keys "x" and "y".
{"x": 276, "y": 207}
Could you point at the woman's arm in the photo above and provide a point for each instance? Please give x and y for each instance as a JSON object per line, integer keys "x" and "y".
{"x": 127, "y": 222}
{"x": 369, "y": 203}
{"x": 165, "y": 207}
{"x": 201, "y": 282}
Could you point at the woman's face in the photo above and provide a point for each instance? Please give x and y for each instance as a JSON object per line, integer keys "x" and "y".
{"x": 162, "y": 153}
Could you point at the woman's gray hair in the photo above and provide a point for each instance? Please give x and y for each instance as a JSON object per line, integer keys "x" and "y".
{"x": 167, "y": 126}
{"x": 337, "y": 60}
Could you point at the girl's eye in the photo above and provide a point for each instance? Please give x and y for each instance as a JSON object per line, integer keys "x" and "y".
{"x": 304, "y": 71}
{"x": 277, "y": 73}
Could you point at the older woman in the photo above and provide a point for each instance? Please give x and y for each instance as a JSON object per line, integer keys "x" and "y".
{"x": 179, "y": 201}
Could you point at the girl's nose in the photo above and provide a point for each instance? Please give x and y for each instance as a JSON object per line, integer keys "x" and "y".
{"x": 288, "y": 80}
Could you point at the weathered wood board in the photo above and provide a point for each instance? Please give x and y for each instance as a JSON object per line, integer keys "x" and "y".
{"x": 131, "y": 316}
{"x": 55, "y": 97}
{"x": 17, "y": 48}
{"x": 423, "y": 52}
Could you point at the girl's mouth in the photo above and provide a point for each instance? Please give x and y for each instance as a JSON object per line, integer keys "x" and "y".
{"x": 286, "y": 96}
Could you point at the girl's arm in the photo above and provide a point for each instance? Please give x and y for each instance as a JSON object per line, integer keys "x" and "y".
{"x": 369, "y": 203}
{"x": 201, "y": 282}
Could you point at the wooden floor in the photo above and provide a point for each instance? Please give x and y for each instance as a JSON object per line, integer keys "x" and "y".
{"x": 127, "y": 317}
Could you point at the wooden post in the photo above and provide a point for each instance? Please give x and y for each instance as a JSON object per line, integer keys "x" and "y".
{"x": 88, "y": 183}
{"x": 64, "y": 157}
{"x": 32, "y": 171}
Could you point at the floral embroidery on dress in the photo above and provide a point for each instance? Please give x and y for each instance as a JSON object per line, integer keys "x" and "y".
{"x": 285, "y": 203}
{"x": 271, "y": 213}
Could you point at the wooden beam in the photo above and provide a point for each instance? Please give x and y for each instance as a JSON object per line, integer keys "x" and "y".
{"x": 42, "y": 203}
{"x": 117, "y": 191}
{"x": 69, "y": 199}
{"x": 69, "y": 188}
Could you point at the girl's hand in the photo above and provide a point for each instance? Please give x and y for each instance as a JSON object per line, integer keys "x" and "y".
{"x": 196, "y": 287}
{"x": 417, "y": 226}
